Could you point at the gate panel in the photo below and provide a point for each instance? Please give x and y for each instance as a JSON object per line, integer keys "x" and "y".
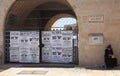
{"x": 23, "y": 47}
{"x": 58, "y": 46}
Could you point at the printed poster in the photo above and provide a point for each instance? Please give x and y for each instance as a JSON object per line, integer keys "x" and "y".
{"x": 34, "y": 55}
{"x": 46, "y": 54}
{"x": 14, "y": 38}
{"x": 56, "y": 55}
{"x": 56, "y": 39}
{"x": 14, "y": 54}
{"x": 67, "y": 55}
{"x": 24, "y": 55}
{"x": 46, "y": 38}
{"x": 34, "y": 38}
{"x": 67, "y": 38}
{"x": 24, "y": 39}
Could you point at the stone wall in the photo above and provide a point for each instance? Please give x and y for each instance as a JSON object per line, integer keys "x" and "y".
{"x": 85, "y": 9}
{"x": 109, "y": 9}
{"x": 4, "y": 8}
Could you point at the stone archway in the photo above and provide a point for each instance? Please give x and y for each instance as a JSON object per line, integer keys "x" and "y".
{"x": 22, "y": 10}
{"x": 89, "y": 15}
{"x": 16, "y": 8}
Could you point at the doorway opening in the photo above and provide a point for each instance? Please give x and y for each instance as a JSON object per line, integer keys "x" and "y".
{"x": 34, "y": 17}
{"x": 64, "y": 23}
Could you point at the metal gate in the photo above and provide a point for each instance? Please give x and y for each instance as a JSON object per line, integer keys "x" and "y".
{"x": 52, "y": 47}
{"x": 58, "y": 46}
{"x": 22, "y": 46}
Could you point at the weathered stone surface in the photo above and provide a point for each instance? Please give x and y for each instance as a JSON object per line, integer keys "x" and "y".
{"x": 88, "y": 54}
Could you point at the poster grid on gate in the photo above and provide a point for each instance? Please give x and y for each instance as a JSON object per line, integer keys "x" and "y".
{"x": 59, "y": 48}
{"x": 25, "y": 46}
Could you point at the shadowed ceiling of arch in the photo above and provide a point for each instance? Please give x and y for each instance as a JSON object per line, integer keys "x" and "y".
{"x": 47, "y": 9}
{"x": 24, "y": 7}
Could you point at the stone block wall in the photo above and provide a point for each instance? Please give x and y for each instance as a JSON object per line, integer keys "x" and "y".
{"x": 110, "y": 11}
{"x": 84, "y": 10}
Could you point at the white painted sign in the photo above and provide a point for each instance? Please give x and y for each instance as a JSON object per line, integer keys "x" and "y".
{"x": 96, "y": 38}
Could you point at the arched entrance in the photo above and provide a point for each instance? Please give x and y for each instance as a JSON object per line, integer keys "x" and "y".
{"x": 33, "y": 15}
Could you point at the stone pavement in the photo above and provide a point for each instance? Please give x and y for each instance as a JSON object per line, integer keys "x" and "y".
{"x": 7, "y": 70}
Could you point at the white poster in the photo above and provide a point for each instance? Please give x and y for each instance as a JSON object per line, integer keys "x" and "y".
{"x": 46, "y": 54}
{"x": 14, "y": 54}
{"x": 14, "y": 38}
{"x": 56, "y": 39}
{"x": 34, "y": 38}
{"x": 34, "y": 55}
{"x": 67, "y": 39}
{"x": 46, "y": 38}
{"x": 67, "y": 55}
{"x": 24, "y": 55}
{"x": 24, "y": 39}
{"x": 57, "y": 55}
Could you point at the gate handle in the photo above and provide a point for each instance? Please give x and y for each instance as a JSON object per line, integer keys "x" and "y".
{"x": 41, "y": 45}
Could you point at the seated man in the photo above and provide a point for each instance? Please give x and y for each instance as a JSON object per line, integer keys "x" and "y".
{"x": 110, "y": 59}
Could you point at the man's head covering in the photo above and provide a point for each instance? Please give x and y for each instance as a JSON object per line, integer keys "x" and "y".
{"x": 109, "y": 46}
